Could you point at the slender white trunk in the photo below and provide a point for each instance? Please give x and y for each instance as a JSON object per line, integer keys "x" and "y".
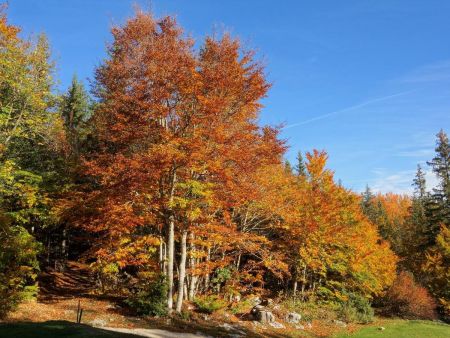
{"x": 170, "y": 262}
{"x": 192, "y": 262}
{"x": 208, "y": 257}
{"x": 171, "y": 246}
{"x": 182, "y": 271}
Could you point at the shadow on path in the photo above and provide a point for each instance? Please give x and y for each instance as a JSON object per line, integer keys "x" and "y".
{"x": 56, "y": 329}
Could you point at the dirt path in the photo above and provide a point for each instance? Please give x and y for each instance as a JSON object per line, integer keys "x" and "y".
{"x": 156, "y": 333}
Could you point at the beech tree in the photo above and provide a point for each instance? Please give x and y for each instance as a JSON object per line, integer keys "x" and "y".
{"x": 178, "y": 137}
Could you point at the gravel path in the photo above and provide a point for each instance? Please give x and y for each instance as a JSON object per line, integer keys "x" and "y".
{"x": 156, "y": 333}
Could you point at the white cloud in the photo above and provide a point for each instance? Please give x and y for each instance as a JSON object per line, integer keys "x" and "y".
{"x": 416, "y": 153}
{"x": 431, "y": 73}
{"x": 399, "y": 182}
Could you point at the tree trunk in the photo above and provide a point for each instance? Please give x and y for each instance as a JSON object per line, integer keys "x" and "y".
{"x": 295, "y": 288}
{"x": 207, "y": 273}
{"x": 64, "y": 252}
{"x": 192, "y": 262}
{"x": 182, "y": 272}
{"x": 171, "y": 245}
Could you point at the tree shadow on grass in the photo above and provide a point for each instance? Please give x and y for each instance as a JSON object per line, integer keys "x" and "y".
{"x": 56, "y": 329}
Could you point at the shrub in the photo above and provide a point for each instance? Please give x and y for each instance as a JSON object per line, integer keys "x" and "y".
{"x": 151, "y": 298}
{"x": 209, "y": 304}
{"x": 407, "y": 299}
{"x": 18, "y": 265}
{"x": 356, "y": 309}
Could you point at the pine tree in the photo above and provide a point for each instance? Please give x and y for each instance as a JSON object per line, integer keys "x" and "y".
{"x": 438, "y": 207}
{"x": 419, "y": 183}
{"x": 368, "y": 206}
{"x": 76, "y": 110}
{"x": 288, "y": 167}
{"x": 300, "y": 168}
{"x": 418, "y": 217}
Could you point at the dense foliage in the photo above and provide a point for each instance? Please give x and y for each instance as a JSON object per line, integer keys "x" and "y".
{"x": 169, "y": 187}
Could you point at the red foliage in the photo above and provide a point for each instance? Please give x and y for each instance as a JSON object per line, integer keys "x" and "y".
{"x": 407, "y": 299}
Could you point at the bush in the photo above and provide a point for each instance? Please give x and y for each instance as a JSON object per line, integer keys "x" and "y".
{"x": 356, "y": 309}
{"x": 151, "y": 298}
{"x": 209, "y": 304}
{"x": 408, "y": 300}
{"x": 18, "y": 265}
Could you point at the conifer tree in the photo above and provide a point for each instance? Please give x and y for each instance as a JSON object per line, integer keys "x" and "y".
{"x": 75, "y": 110}
{"x": 438, "y": 207}
{"x": 300, "y": 168}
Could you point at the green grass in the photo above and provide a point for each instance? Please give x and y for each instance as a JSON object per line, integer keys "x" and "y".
{"x": 56, "y": 329}
{"x": 403, "y": 329}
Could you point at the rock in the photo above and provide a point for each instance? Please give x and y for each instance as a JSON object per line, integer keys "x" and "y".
{"x": 277, "y": 325}
{"x": 262, "y": 314}
{"x": 235, "y": 331}
{"x": 340, "y": 323}
{"x": 97, "y": 322}
{"x": 227, "y": 326}
{"x": 381, "y": 328}
{"x": 255, "y": 301}
{"x": 299, "y": 327}
{"x": 293, "y": 317}
{"x": 267, "y": 302}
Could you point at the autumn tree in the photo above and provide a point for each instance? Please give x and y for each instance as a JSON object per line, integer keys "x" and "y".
{"x": 178, "y": 137}
{"x": 336, "y": 247}
{"x": 30, "y": 139}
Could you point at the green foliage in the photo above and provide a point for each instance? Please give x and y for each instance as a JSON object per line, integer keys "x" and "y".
{"x": 209, "y": 304}
{"x": 18, "y": 265}
{"x": 150, "y": 299}
{"x": 355, "y": 308}
{"x": 222, "y": 275}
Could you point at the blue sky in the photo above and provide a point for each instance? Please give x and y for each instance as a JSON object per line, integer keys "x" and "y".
{"x": 368, "y": 81}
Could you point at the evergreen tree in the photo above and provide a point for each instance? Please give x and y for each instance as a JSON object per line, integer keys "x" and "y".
{"x": 300, "y": 167}
{"x": 288, "y": 167}
{"x": 75, "y": 110}
{"x": 418, "y": 218}
{"x": 438, "y": 207}
{"x": 419, "y": 183}
{"x": 368, "y": 206}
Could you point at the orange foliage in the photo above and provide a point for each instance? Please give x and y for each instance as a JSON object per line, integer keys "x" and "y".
{"x": 407, "y": 299}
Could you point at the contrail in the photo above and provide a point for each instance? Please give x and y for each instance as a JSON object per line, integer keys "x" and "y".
{"x": 360, "y": 105}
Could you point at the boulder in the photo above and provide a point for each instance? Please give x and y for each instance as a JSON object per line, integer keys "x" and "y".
{"x": 277, "y": 325}
{"x": 293, "y": 317}
{"x": 262, "y": 314}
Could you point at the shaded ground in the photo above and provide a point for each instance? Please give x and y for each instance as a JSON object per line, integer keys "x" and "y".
{"x": 75, "y": 281}
{"x": 56, "y": 329}
{"x": 54, "y": 314}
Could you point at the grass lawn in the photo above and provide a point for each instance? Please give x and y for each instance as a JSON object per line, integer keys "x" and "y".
{"x": 403, "y": 329}
{"x": 56, "y": 329}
